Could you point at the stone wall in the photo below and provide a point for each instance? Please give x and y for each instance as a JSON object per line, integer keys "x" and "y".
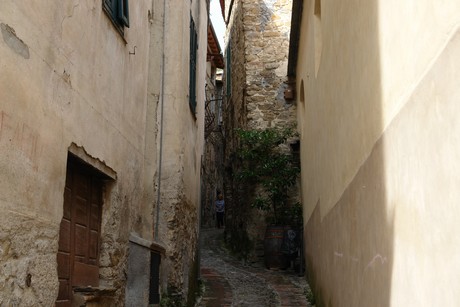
{"x": 212, "y": 172}
{"x": 27, "y": 261}
{"x": 258, "y": 35}
{"x": 266, "y": 32}
{"x": 234, "y": 116}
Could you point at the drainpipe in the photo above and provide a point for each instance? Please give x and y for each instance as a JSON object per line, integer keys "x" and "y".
{"x": 162, "y": 96}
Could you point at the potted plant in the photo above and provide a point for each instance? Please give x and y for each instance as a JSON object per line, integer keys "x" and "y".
{"x": 269, "y": 168}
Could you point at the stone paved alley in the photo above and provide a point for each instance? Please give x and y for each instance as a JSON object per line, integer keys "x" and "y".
{"x": 230, "y": 282}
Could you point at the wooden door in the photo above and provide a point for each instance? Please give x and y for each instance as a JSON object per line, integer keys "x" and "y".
{"x": 79, "y": 234}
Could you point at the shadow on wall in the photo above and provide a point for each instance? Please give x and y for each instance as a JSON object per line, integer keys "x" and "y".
{"x": 349, "y": 246}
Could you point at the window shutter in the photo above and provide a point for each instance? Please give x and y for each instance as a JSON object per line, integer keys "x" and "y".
{"x": 123, "y": 12}
{"x": 111, "y": 6}
{"x": 193, "y": 55}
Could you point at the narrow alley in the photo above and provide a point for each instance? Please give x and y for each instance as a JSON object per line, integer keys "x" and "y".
{"x": 324, "y": 135}
{"x": 231, "y": 282}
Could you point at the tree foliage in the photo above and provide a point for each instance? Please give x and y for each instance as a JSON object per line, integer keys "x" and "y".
{"x": 268, "y": 165}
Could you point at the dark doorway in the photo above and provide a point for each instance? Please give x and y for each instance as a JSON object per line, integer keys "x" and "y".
{"x": 79, "y": 234}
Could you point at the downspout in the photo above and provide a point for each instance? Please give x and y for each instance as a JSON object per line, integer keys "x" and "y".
{"x": 162, "y": 97}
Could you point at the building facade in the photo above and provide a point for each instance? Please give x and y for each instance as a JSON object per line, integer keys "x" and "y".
{"x": 212, "y": 170}
{"x": 378, "y": 103}
{"x": 255, "y": 82}
{"x": 101, "y": 137}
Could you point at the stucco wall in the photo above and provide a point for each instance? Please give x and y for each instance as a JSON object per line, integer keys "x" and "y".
{"x": 377, "y": 105}
{"x": 183, "y": 139}
{"x": 67, "y": 77}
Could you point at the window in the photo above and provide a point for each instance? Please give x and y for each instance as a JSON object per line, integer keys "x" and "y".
{"x": 193, "y": 54}
{"x": 118, "y": 11}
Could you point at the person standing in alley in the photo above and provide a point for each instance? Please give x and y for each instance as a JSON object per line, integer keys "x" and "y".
{"x": 220, "y": 210}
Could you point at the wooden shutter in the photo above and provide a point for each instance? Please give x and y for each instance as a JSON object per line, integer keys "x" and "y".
{"x": 193, "y": 53}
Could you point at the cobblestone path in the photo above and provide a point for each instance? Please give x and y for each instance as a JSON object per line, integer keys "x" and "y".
{"x": 229, "y": 282}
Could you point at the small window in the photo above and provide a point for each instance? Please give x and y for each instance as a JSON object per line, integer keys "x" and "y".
{"x": 193, "y": 59}
{"x": 118, "y": 11}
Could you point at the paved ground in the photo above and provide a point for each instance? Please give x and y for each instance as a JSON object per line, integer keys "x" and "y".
{"x": 229, "y": 282}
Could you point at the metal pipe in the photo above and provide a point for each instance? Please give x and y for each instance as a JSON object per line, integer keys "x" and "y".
{"x": 162, "y": 96}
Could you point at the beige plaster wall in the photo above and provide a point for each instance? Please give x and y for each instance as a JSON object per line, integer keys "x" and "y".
{"x": 67, "y": 77}
{"x": 366, "y": 73}
{"x": 421, "y": 154}
{"x": 377, "y": 106}
{"x": 183, "y": 141}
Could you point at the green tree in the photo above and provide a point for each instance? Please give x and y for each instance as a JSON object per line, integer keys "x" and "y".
{"x": 269, "y": 167}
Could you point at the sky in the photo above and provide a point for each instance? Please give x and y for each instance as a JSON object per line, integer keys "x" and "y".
{"x": 218, "y": 22}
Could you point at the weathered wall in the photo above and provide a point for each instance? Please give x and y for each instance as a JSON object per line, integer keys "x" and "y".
{"x": 377, "y": 104}
{"x": 212, "y": 171}
{"x": 258, "y": 35}
{"x": 266, "y": 32}
{"x": 67, "y": 77}
{"x": 182, "y": 148}
{"x": 234, "y": 116}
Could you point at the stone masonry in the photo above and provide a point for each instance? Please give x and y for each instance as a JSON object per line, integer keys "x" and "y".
{"x": 266, "y": 27}
{"x": 257, "y": 55}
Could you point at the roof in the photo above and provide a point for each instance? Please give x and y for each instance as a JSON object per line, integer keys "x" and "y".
{"x": 214, "y": 52}
{"x": 296, "y": 19}
{"x": 222, "y": 7}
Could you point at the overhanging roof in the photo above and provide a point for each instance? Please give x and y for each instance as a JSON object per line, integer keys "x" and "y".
{"x": 214, "y": 52}
{"x": 296, "y": 20}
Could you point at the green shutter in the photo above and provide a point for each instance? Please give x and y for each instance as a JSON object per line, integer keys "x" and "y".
{"x": 193, "y": 56}
{"x": 123, "y": 12}
{"x": 118, "y": 11}
{"x": 111, "y": 6}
